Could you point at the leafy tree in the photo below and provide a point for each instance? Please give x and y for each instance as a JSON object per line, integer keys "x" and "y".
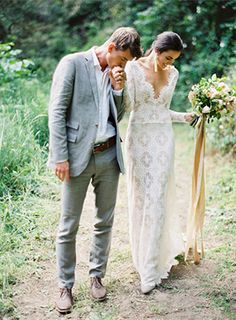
{"x": 47, "y": 30}
{"x": 207, "y": 28}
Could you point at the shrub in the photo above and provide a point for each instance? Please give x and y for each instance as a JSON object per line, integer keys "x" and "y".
{"x": 12, "y": 67}
{"x": 222, "y": 133}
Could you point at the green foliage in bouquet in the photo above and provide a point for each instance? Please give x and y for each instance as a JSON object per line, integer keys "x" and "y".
{"x": 11, "y": 66}
{"x": 215, "y": 98}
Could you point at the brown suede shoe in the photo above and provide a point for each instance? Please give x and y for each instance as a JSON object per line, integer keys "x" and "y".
{"x": 65, "y": 301}
{"x": 97, "y": 290}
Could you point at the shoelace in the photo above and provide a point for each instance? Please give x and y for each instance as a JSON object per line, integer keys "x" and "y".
{"x": 97, "y": 283}
{"x": 65, "y": 291}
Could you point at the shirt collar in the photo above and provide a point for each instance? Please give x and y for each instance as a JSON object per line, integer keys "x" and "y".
{"x": 95, "y": 58}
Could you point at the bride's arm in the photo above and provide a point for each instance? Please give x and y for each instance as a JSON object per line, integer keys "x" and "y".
{"x": 181, "y": 116}
{"x": 129, "y": 92}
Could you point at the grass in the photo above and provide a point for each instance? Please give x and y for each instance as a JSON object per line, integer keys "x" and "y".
{"x": 220, "y": 225}
{"x": 26, "y": 239}
{"x": 22, "y": 172}
{"x": 221, "y": 204}
{"x": 29, "y": 101}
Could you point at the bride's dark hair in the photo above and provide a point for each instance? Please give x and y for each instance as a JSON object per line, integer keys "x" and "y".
{"x": 167, "y": 40}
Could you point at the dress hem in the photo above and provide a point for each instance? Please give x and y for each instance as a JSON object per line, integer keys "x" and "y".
{"x": 164, "y": 275}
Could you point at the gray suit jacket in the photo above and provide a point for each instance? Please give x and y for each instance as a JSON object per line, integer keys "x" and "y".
{"x": 73, "y": 113}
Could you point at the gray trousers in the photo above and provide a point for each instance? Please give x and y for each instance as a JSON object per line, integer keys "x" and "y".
{"x": 103, "y": 172}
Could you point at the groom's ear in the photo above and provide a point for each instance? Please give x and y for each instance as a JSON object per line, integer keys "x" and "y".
{"x": 111, "y": 46}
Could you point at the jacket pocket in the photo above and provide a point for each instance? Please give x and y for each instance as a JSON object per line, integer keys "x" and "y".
{"x": 72, "y": 124}
{"x": 71, "y": 137}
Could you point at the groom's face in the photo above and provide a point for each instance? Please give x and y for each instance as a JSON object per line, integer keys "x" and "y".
{"x": 117, "y": 57}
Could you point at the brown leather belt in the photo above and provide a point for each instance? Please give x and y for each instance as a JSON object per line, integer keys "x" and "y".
{"x": 100, "y": 147}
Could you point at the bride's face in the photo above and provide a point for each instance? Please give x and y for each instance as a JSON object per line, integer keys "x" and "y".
{"x": 167, "y": 58}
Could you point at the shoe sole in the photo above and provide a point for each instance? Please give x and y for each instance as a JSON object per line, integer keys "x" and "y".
{"x": 98, "y": 299}
{"x": 64, "y": 310}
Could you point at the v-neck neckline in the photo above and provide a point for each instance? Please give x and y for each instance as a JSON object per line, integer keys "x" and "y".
{"x": 155, "y": 97}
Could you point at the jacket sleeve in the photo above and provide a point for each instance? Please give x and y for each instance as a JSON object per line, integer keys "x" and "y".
{"x": 60, "y": 99}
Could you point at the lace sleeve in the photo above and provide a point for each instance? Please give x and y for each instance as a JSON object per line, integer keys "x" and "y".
{"x": 129, "y": 92}
{"x": 176, "y": 116}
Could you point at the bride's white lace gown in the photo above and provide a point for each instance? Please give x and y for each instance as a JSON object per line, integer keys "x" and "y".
{"x": 155, "y": 233}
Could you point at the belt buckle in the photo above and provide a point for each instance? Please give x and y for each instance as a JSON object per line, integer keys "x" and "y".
{"x": 105, "y": 144}
{"x": 95, "y": 146}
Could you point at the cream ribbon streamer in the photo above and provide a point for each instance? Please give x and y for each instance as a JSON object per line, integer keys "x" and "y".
{"x": 197, "y": 207}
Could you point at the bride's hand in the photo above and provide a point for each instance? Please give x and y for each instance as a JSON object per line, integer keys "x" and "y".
{"x": 189, "y": 116}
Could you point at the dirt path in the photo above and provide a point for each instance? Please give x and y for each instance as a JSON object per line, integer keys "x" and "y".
{"x": 181, "y": 297}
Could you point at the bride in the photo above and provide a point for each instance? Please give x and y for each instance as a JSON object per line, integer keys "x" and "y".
{"x": 154, "y": 225}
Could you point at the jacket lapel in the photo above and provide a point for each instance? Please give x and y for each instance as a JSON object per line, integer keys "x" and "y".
{"x": 92, "y": 76}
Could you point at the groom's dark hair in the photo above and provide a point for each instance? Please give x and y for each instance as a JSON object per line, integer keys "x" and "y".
{"x": 127, "y": 38}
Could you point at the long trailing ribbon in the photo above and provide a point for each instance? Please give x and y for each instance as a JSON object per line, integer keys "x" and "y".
{"x": 197, "y": 207}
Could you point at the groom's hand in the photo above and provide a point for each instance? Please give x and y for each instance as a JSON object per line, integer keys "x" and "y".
{"x": 62, "y": 171}
{"x": 118, "y": 77}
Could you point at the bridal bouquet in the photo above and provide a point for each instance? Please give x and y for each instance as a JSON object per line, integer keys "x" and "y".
{"x": 211, "y": 98}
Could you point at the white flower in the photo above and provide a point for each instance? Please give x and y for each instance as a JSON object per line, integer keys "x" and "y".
{"x": 224, "y": 87}
{"x": 206, "y": 109}
{"x": 213, "y": 93}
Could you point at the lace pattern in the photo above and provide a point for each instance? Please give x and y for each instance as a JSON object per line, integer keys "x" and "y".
{"x": 155, "y": 232}
{"x": 139, "y": 91}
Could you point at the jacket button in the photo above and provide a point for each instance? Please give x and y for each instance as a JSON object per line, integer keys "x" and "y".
{"x": 96, "y": 125}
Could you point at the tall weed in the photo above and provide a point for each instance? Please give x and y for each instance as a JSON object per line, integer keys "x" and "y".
{"x": 21, "y": 158}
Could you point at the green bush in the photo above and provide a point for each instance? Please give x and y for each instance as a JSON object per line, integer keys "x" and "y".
{"x": 12, "y": 67}
{"x": 28, "y": 98}
{"x": 23, "y": 124}
{"x": 222, "y": 133}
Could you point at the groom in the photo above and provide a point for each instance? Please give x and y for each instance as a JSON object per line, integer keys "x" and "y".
{"x": 86, "y": 104}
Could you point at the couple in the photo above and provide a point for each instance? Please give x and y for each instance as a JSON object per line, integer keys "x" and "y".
{"x": 87, "y": 101}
